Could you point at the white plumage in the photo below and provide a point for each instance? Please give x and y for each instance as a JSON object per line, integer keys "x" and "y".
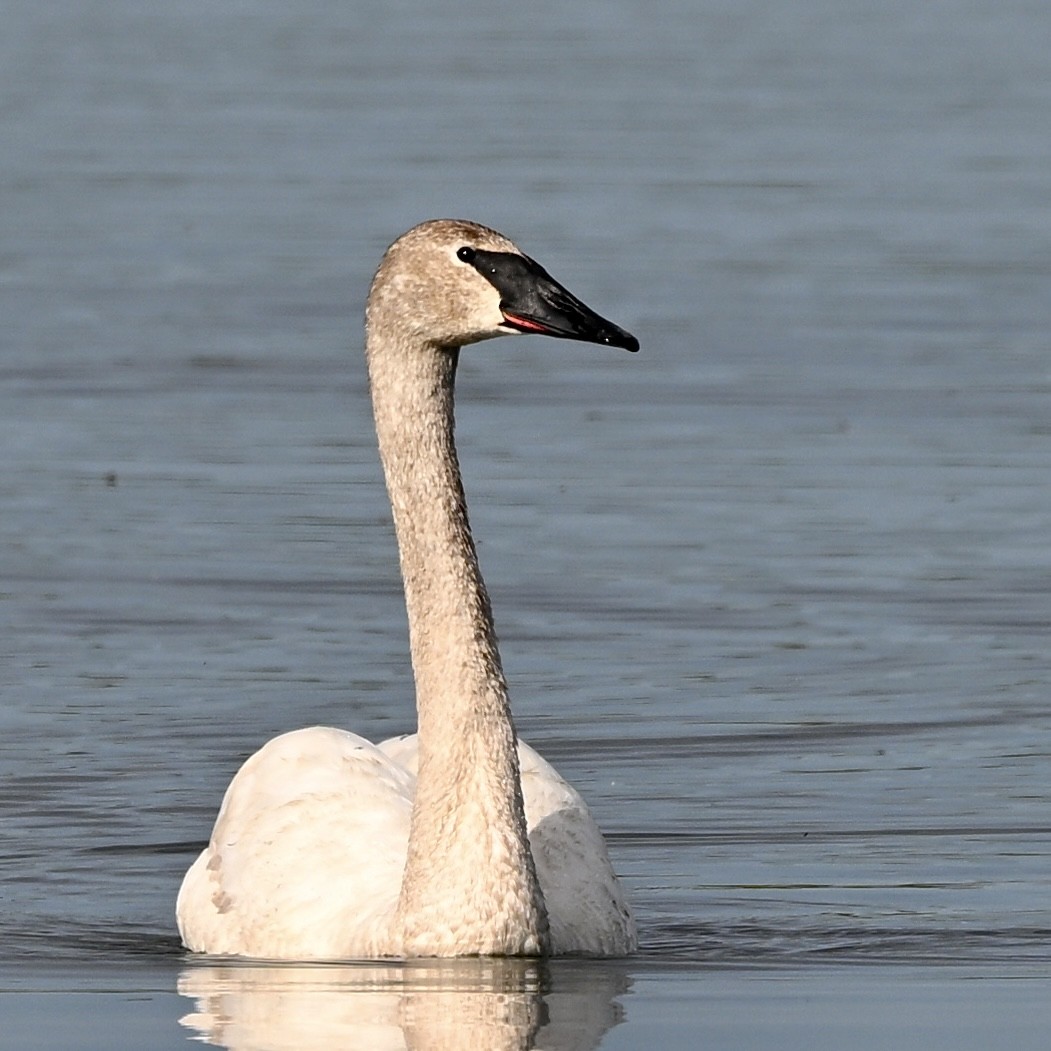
{"x": 307, "y": 855}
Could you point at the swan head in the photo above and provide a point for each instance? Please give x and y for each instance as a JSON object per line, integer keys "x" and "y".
{"x": 449, "y": 282}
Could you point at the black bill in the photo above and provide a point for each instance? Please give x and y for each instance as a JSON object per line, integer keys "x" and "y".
{"x": 531, "y": 300}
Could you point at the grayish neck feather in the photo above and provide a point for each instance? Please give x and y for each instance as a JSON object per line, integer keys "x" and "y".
{"x": 469, "y": 874}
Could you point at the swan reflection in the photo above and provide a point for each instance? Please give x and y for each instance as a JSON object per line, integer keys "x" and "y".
{"x": 474, "y": 1004}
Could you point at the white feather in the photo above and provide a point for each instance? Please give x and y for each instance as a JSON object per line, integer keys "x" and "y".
{"x": 319, "y": 810}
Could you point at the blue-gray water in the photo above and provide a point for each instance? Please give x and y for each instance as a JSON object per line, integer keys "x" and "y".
{"x": 775, "y": 594}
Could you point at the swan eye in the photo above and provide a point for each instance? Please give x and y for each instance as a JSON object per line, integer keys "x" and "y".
{"x": 465, "y": 254}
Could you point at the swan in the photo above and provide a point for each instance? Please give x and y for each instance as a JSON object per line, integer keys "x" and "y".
{"x": 458, "y": 840}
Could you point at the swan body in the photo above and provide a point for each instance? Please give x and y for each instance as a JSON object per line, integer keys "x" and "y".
{"x": 458, "y": 840}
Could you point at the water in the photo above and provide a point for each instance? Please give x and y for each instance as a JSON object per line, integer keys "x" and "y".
{"x": 775, "y": 594}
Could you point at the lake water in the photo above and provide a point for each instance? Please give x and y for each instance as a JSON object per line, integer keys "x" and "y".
{"x": 775, "y": 594}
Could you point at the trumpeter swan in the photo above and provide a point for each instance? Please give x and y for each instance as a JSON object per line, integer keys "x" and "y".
{"x": 459, "y": 840}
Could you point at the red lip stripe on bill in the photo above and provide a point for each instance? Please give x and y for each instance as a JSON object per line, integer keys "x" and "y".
{"x": 521, "y": 322}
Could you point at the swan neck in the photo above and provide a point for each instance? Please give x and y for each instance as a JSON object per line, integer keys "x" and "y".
{"x": 470, "y": 884}
{"x": 455, "y": 656}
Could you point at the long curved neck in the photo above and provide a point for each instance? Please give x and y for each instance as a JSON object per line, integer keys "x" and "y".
{"x": 470, "y": 884}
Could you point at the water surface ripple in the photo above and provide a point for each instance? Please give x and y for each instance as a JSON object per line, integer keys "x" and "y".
{"x": 775, "y": 593}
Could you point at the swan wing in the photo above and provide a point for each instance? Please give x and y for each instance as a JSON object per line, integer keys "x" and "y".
{"x": 585, "y": 904}
{"x": 307, "y": 854}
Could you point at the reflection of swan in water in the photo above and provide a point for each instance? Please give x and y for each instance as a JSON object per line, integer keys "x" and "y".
{"x": 475, "y": 1004}
{"x": 327, "y": 847}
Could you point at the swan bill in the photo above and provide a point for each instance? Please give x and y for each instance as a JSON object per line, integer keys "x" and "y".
{"x": 531, "y": 300}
